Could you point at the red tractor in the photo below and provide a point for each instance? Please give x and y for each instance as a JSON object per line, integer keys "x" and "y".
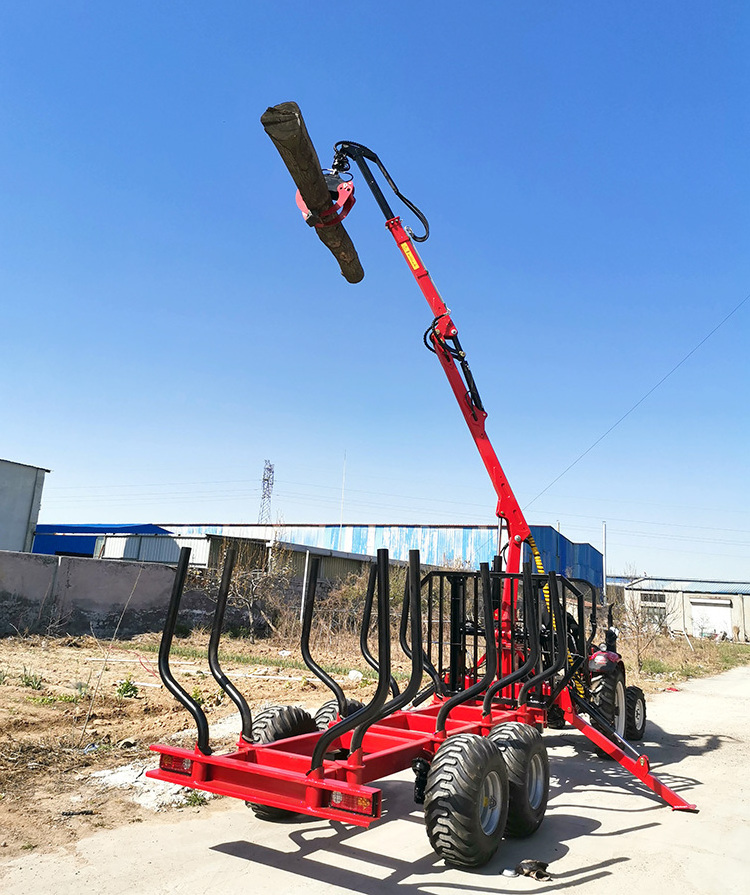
{"x": 497, "y": 655}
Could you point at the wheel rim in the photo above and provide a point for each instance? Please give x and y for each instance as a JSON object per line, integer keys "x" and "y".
{"x": 535, "y": 782}
{"x": 638, "y": 714}
{"x": 490, "y": 803}
{"x": 618, "y": 721}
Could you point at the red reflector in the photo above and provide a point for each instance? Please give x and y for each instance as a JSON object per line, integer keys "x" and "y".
{"x": 356, "y": 804}
{"x": 176, "y": 765}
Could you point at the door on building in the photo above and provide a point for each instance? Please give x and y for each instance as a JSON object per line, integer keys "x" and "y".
{"x": 711, "y": 617}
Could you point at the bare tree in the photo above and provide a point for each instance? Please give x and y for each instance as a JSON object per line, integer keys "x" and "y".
{"x": 261, "y": 584}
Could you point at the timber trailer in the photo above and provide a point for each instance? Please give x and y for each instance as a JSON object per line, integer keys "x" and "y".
{"x": 497, "y": 655}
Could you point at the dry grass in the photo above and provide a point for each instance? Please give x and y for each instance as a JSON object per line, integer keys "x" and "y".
{"x": 670, "y": 660}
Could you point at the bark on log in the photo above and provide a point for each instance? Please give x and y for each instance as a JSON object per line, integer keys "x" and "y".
{"x": 286, "y": 127}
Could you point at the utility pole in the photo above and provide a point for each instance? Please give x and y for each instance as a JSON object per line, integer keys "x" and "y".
{"x": 264, "y": 515}
{"x": 604, "y": 561}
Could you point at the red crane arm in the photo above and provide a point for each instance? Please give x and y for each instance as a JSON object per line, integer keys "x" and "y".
{"x": 443, "y": 336}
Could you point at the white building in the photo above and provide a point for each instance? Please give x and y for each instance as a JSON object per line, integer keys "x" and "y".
{"x": 700, "y": 608}
{"x": 20, "y": 498}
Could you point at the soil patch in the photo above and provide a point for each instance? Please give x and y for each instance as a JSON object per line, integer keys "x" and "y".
{"x": 77, "y": 716}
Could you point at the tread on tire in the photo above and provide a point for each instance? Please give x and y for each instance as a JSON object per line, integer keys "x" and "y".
{"x": 528, "y": 776}
{"x": 466, "y": 800}
{"x": 278, "y": 722}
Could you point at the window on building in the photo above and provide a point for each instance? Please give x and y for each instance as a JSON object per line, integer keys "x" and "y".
{"x": 654, "y": 608}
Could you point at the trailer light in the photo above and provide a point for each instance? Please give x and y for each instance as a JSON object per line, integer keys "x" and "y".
{"x": 355, "y": 804}
{"x": 176, "y": 765}
{"x": 600, "y": 660}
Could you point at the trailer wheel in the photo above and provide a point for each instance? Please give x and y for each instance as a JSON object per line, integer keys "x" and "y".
{"x": 528, "y": 776}
{"x": 608, "y": 695}
{"x": 278, "y": 722}
{"x": 635, "y": 713}
{"x": 466, "y": 800}
{"x": 329, "y": 712}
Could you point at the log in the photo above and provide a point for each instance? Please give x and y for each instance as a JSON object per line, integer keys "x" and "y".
{"x": 286, "y": 128}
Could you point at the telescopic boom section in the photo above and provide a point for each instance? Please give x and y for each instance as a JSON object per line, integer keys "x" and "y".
{"x": 285, "y": 126}
{"x": 444, "y": 338}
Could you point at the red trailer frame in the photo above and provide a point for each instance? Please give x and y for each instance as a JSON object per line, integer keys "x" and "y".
{"x": 326, "y": 773}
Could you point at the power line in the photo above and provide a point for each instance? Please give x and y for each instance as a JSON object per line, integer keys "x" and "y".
{"x": 639, "y": 402}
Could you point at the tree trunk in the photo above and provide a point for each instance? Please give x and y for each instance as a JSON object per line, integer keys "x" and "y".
{"x": 286, "y": 127}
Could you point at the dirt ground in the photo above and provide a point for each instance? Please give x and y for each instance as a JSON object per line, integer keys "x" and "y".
{"x": 77, "y": 716}
{"x": 74, "y": 710}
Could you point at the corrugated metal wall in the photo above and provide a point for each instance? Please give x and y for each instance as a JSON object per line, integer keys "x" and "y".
{"x": 438, "y": 545}
{"x": 152, "y": 548}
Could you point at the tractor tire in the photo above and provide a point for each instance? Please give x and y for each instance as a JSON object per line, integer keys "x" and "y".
{"x": 635, "y": 713}
{"x": 329, "y": 712}
{"x": 466, "y": 800}
{"x": 608, "y": 695}
{"x": 528, "y": 776}
{"x": 278, "y": 722}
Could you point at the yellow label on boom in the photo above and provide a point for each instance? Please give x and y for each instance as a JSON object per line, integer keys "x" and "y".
{"x": 410, "y": 257}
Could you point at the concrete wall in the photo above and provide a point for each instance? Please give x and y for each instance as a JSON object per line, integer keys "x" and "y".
{"x": 20, "y": 499}
{"x": 62, "y": 594}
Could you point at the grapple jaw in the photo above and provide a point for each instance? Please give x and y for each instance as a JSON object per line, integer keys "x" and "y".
{"x": 286, "y": 128}
{"x": 342, "y": 198}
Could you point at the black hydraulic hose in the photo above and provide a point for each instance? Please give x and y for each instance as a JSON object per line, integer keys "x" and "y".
{"x": 179, "y": 693}
{"x": 307, "y": 616}
{"x": 490, "y": 652}
{"x": 213, "y": 648}
{"x": 531, "y": 623}
{"x": 347, "y": 149}
{"x": 365, "y": 716}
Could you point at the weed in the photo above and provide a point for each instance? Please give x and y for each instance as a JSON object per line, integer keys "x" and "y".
{"x": 29, "y": 679}
{"x": 28, "y": 846}
{"x": 690, "y": 670}
{"x": 3, "y": 676}
{"x": 51, "y": 700}
{"x": 654, "y": 666}
{"x": 82, "y": 689}
{"x": 127, "y": 689}
{"x": 42, "y": 700}
{"x": 195, "y": 799}
{"x": 197, "y": 695}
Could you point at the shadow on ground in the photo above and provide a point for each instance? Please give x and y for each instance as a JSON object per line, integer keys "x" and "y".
{"x": 390, "y": 858}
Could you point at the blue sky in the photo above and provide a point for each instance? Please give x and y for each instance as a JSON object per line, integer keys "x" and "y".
{"x": 170, "y": 322}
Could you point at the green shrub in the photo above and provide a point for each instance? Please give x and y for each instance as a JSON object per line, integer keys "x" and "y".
{"x": 127, "y": 689}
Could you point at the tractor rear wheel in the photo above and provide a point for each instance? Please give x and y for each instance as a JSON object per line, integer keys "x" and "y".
{"x": 329, "y": 712}
{"x": 635, "y": 713}
{"x": 466, "y": 800}
{"x": 608, "y": 695}
{"x": 528, "y": 776}
{"x": 278, "y": 722}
